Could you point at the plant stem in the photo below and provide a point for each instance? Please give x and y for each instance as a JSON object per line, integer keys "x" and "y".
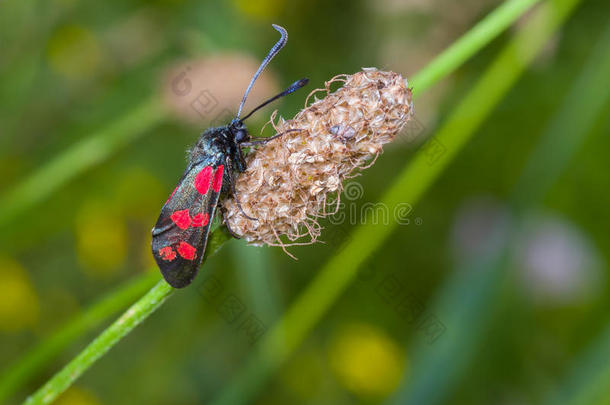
{"x": 335, "y": 276}
{"x": 17, "y": 374}
{"x": 136, "y": 122}
{"x": 470, "y": 295}
{"x": 470, "y": 43}
{"x": 24, "y": 369}
{"x": 415, "y": 179}
{"x": 586, "y": 381}
{"x": 115, "y": 332}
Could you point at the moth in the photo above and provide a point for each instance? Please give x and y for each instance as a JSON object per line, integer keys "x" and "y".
{"x": 180, "y": 235}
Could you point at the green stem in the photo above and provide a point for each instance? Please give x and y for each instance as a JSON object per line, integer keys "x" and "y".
{"x": 586, "y": 382}
{"x": 475, "y": 292}
{"x": 583, "y": 105}
{"x": 471, "y": 295}
{"x": 17, "y": 374}
{"x": 470, "y": 43}
{"x": 140, "y": 119}
{"x": 115, "y": 332}
{"x": 447, "y": 62}
{"x": 410, "y": 185}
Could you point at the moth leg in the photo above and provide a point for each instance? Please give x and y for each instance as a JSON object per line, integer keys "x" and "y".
{"x": 234, "y": 194}
{"x": 223, "y": 211}
{"x": 259, "y": 141}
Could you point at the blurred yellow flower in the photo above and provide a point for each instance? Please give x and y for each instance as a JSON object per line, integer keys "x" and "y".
{"x": 74, "y": 52}
{"x": 366, "y": 360}
{"x": 261, "y": 9}
{"x": 101, "y": 238}
{"x": 19, "y": 307}
{"x": 77, "y": 396}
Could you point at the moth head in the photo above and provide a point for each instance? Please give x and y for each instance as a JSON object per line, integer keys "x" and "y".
{"x": 239, "y": 131}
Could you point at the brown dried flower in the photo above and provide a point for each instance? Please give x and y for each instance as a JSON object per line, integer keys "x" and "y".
{"x": 290, "y": 181}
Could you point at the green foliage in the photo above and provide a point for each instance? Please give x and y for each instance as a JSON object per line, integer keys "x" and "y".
{"x": 79, "y": 94}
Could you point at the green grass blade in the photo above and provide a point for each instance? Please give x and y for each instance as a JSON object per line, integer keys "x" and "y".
{"x": 136, "y": 122}
{"x": 339, "y": 279}
{"x": 469, "y": 297}
{"x": 85, "y": 154}
{"x": 576, "y": 116}
{"x": 16, "y": 375}
{"x": 587, "y": 382}
{"x": 96, "y": 349}
{"x": 415, "y": 179}
{"x": 470, "y": 43}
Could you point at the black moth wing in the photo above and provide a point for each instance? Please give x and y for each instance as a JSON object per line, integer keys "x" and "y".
{"x": 181, "y": 232}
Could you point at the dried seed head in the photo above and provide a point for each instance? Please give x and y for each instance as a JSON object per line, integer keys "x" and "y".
{"x": 291, "y": 180}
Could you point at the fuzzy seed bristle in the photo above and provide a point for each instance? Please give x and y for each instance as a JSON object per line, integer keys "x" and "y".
{"x": 290, "y": 181}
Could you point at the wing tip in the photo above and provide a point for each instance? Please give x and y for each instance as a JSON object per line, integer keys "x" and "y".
{"x": 178, "y": 279}
{"x": 177, "y": 275}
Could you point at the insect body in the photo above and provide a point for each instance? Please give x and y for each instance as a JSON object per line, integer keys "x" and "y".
{"x": 181, "y": 232}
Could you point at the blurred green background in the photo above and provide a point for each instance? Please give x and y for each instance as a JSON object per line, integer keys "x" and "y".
{"x": 492, "y": 290}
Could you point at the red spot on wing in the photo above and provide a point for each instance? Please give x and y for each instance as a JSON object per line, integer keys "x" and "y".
{"x": 181, "y": 218}
{"x": 187, "y": 251}
{"x": 167, "y": 253}
{"x": 217, "y": 182}
{"x": 201, "y": 220}
{"x": 202, "y": 180}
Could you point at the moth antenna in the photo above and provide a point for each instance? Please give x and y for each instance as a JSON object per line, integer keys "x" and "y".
{"x": 274, "y": 51}
{"x": 293, "y": 87}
